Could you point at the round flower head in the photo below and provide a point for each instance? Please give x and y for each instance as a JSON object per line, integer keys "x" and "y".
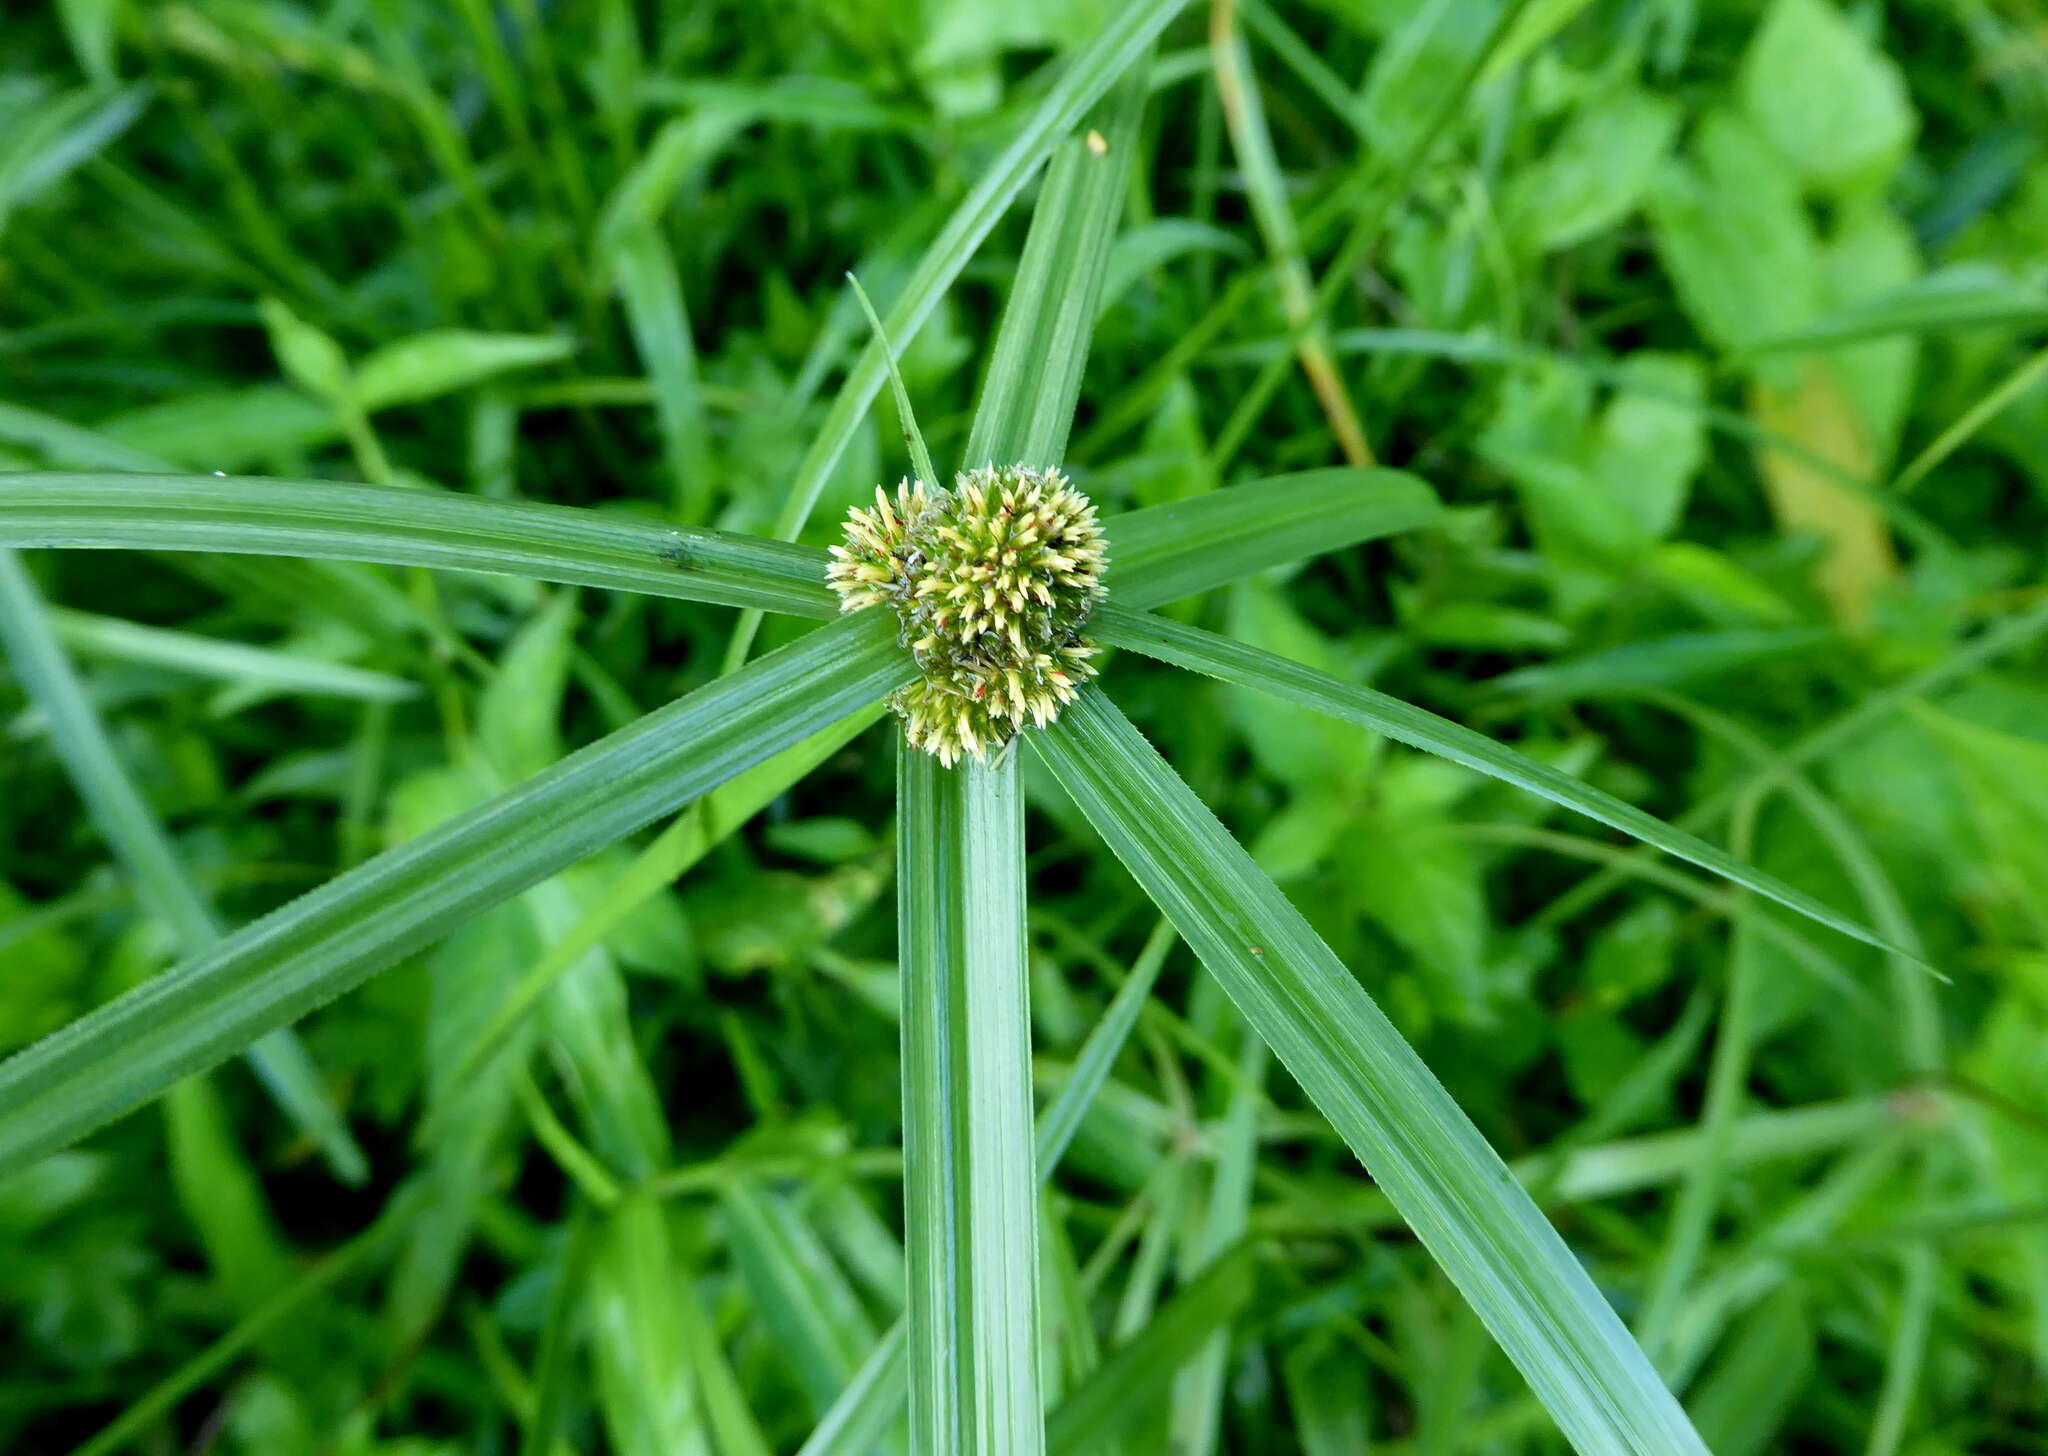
{"x": 991, "y": 582}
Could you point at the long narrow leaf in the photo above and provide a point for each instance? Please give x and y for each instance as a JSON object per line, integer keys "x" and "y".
{"x": 1234, "y": 662}
{"x": 1169, "y": 551}
{"x": 410, "y": 528}
{"x": 660, "y": 864}
{"x": 1156, "y": 554}
{"x": 1266, "y": 189}
{"x": 644, "y": 1382}
{"x": 162, "y": 882}
{"x": 1452, "y": 1188}
{"x": 1034, "y": 374}
{"x": 1062, "y": 1116}
{"x": 876, "y": 1393}
{"x": 1092, "y": 71}
{"x": 1129, "y": 1385}
{"x": 264, "y": 669}
{"x": 798, "y": 1291}
{"x": 652, "y": 295}
{"x": 330, "y": 940}
{"x": 856, "y": 1423}
{"x": 970, "y": 1193}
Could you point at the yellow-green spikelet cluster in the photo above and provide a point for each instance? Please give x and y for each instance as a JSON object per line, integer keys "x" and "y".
{"x": 991, "y": 582}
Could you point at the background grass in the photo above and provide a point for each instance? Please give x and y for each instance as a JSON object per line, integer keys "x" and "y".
{"x": 1719, "y": 326}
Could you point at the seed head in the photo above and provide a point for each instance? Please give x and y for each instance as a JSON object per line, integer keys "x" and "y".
{"x": 991, "y": 583}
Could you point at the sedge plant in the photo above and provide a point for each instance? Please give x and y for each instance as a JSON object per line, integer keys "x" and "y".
{"x": 983, "y": 606}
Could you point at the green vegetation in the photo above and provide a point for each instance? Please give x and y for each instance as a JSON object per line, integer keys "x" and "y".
{"x": 1529, "y": 930}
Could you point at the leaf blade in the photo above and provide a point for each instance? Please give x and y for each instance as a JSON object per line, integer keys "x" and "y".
{"x": 1127, "y": 35}
{"x": 1104, "y": 1406}
{"x": 969, "y": 1181}
{"x": 410, "y": 527}
{"x": 198, "y": 1013}
{"x": 1218, "y": 656}
{"x": 1453, "y": 1189}
{"x": 139, "y": 842}
{"x": 1164, "y": 552}
{"x": 1034, "y": 375}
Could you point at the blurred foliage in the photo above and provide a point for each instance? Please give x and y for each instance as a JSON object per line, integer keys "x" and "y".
{"x": 1677, "y": 302}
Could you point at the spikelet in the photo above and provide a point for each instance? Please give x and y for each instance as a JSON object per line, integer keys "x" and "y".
{"x": 991, "y": 583}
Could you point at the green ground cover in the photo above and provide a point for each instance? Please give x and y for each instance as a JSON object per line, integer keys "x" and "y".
{"x": 1525, "y": 431}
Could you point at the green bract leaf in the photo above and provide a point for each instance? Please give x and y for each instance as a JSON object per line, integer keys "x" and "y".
{"x": 1457, "y": 1196}
{"x": 318, "y": 946}
{"x": 410, "y": 528}
{"x": 1088, "y": 74}
{"x": 131, "y": 828}
{"x": 1034, "y": 375}
{"x": 970, "y": 1194}
{"x": 1165, "y": 552}
{"x": 1206, "y": 652}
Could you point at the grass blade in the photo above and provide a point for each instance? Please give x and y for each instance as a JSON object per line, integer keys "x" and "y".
{"x": 1129, "y": 1383}
{"x": 408, "y": 527}
{"x": 162, "y": 883}
{"x": 1957, "y": 298}
{"x": 1907, "y": 1353}
{"x": 1452, "y": 1188}
{"x": 1127, "y": 36}
{"x": 641, "y": 1340}
{"x": 1266, "y": 189}
{"x": 906, "y": 417}
{"x": 1206, "y": 652}
{"x": 1034, "y": 375}
{"x": 733, "y": 1427}
{"x": 1093, "y": 70}
{"x": 970, "y": 1191}
{"x": 858, "y": 1420}
{"x": 659, "y": 316}
{"x": 1562, "y": 1175}
{"x": 1062, "y": 1116}
{"x": 1970, "y": 421}
{"x": 666, "y": 859}
{"x": 1692, "y": 1217}
{"x": 332, "y": 939}
{"x": 1195, "y": 1423}
{"x": 1165, "y": 552}
{"x": 876, "y": 1392}
{"x": 1156, "y": 554}
{"x": 554, "y": 1364}
{"x": 60, "y": 442}
{"x": 259, "y": 669}
{"x": 799, "y": 1293}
